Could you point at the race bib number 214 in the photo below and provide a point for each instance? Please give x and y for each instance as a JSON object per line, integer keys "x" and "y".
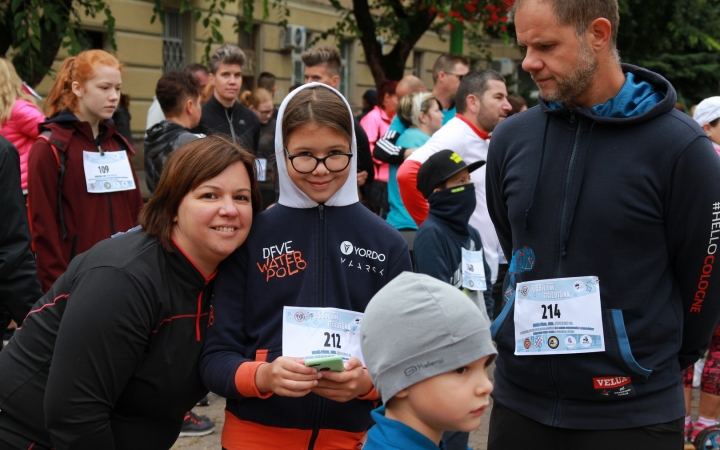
{"x": 558, "y": 316}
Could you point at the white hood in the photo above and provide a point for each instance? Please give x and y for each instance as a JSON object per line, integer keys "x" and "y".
{"x": 291, "y": 195}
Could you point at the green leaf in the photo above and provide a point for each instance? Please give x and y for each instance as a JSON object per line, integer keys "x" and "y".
{"x": 17, "y": 21}
{"x": 712, "y": 43}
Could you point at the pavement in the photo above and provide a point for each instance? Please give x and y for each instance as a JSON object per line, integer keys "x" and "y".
{"x": 216, "y": 412}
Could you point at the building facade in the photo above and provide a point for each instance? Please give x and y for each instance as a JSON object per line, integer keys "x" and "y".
{"x": 147, "y": 50}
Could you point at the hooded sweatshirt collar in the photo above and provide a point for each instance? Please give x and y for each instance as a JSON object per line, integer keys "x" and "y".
{"x": 290, "y": 195}
{"x": 644, "y": 95}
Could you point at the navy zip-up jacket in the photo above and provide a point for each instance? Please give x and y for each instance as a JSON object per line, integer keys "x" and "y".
{"x": 443, "y": 235}
{"x": 298, "y": 253}
{"x": 635, "y": 201}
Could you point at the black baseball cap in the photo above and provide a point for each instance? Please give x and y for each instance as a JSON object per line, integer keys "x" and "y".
{"x": 439, "y": 167}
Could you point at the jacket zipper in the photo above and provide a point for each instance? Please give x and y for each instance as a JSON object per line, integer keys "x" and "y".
{"x": 566, "y": 195}
{"x": 110, "y": 210}
{"x": 319, "y": 407}
{"x": 199, "y": 309}
{"x": 232, "y": 129}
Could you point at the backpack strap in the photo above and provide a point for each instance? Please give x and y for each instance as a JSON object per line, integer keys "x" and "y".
{"x": 60, "y": 160}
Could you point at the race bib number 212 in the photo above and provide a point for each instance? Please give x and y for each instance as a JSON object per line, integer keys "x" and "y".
{"x": 311, "y": 333}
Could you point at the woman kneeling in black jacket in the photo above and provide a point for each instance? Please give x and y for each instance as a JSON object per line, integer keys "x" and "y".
{"x": 108, "y": 358}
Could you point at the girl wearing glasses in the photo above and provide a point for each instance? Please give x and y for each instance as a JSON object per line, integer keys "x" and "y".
{"x": 318, "y": 248}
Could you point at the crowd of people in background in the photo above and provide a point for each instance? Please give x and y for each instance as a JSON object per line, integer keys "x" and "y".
{"x": 128, "y": 309}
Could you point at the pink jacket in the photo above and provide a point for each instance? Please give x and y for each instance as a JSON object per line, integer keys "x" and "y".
{"x": 21, "y": 129}
{"x": 376, "y": 123}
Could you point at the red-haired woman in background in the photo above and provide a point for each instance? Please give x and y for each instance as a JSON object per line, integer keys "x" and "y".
{"x": 376, "y": 123}
{"x": 82, "y": 186}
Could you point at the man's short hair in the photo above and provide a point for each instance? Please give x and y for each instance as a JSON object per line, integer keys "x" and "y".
{"x": 266, "y": 80}
{"x": 474, "y": 83}
{"x": 226, "y": 54}
{"x": 580, "y": 13}
{"x": 196, "y": 67}
{"x": 173, "y": 89}
{"x": 324, "y": 54}
{"x": 446, "y": 63}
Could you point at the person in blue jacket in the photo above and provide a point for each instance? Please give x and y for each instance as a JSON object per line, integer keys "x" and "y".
{"x": 433, "y": 377}
{"x": 421, "y": 112}
{"x": 446, "y": 243}
{"x": 317, "y": 248}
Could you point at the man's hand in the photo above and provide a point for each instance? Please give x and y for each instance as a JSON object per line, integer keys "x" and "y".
{"x": 288, "y": 377}
{"x": 362, "y": 177}
{"x": 344, "y": 386}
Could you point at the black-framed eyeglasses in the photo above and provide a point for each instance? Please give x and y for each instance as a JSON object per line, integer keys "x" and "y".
{"x": 307, "y": 163}
{"x": 460, "y": 77}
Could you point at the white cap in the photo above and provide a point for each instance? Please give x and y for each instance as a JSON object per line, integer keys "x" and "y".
{"x": 707, "y": 110}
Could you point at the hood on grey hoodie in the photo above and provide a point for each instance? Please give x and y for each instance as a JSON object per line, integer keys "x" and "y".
{"x": 290, "y": 195}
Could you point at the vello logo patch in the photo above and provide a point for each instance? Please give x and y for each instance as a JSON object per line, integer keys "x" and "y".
{"x": 346, "y": 247}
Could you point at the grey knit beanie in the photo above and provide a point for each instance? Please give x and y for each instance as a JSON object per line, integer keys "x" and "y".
{"x": 417, "y": 327}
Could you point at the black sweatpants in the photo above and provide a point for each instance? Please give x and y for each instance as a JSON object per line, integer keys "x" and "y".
{"x": 510, "y": 430}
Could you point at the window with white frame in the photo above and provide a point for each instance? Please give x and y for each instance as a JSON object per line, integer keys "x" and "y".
{"x": 346, "y": 59}
{"x": 173, "y": 45}
{"x": 298, "y": 73}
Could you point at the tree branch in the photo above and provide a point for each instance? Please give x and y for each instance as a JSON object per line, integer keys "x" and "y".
{"x": 398, "y": 8}
{"x": 373, "y": 50}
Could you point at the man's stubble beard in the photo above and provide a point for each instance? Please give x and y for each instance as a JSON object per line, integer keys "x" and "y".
{"x": 569, "y": 88}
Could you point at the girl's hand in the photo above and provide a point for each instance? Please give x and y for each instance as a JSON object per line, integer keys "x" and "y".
{"x": 344, "y": 386}
{"x": 288, "y": 377}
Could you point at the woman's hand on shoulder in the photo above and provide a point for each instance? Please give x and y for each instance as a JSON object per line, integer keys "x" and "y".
{"x": 287, "y": 377}
{"x": 344, "y": 386}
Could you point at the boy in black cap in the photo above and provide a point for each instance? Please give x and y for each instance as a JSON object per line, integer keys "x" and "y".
{"x": 446, "y": 246}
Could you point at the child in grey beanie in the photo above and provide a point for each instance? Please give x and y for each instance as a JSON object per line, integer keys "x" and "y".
{"x": 426, "y": 347}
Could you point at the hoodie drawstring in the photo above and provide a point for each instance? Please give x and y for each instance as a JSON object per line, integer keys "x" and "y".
{"x": 537, "y": 177}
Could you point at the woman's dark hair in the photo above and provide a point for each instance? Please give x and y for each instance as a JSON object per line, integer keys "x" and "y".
{"x": 386, "y": 87}
{"x": 318, "y": 105}
{"x": 187, "y": 167}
